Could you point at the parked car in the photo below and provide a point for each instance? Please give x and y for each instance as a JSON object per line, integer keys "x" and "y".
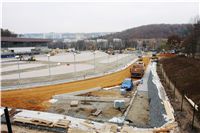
{"x": 127, "y": 84}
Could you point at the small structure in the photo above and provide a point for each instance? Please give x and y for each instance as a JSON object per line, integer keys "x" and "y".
{"x": 23, "y": 46}
{"x": 74, "y": 103}
{"x": 119, "y": 104}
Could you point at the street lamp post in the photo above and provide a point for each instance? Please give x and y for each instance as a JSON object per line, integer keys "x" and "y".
{"x": 48, "y": 55}
{"x": 19, "y": 77}
{"x": 74, "y": 64}
{"x": 117, "y": 60}
{"x": 94, "y": 61}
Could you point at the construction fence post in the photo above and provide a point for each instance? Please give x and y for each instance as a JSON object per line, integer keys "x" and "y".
{"x": 182, "y": 100}
{"x": 193, "y": 115}
{"x": 174, "y": 88}
{"x": 163, "y": 72}
{"x": 169, "y": 82}
{"x": 8, "y": 120}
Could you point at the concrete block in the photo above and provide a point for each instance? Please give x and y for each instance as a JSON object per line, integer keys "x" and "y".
{"x": 74, "y": 103}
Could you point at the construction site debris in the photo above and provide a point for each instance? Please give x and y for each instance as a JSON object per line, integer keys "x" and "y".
{"x": 88, "y": 124}
{"x": 109, "y": 128}
{"x": 119, "y": 104}
{"x": 53, "y": 100}
{"x": 62, "y": 123}
{"x": 123, "y": 91}
{"x": 74, "y": 103}
{"x": 117, "y": 120}
{"x": 97, "y": 112}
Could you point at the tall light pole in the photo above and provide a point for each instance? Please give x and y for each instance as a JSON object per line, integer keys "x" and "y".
{"x": 94, "y": 61}
{"x": 117, "y": 60}
{"x": 74, "y": 64}
{"x": 19, "y": 77}
{"x": 48, "y": 55}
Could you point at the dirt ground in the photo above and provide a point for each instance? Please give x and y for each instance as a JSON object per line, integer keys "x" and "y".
{"x": 139, "y": 112}
{"x": 186, "y": 73}
{"x": 184, "y": 117}
{"x": 84, "y": 110}
{"x": 107, "y": 93}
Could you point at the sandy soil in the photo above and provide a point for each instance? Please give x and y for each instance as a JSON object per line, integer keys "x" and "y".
{"x": 37, "y": 98}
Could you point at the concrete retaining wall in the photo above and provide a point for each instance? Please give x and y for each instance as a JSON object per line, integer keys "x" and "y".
{"x": 157, "y": 110}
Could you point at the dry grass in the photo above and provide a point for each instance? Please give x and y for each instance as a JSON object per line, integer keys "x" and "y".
{"x": 36, "y": 98}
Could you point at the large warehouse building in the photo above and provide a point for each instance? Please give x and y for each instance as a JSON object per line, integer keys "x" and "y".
{"x": 22, "y": 46}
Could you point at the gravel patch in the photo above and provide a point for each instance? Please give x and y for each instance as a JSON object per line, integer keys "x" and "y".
{"x": 156, "y": 107}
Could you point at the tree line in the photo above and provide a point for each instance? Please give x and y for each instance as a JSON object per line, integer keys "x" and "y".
{"x": 189, "y": 45}
{"x": 7, "y": 33}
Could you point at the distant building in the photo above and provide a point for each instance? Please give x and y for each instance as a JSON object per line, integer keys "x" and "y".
{"x": 24, "y": 45}
{"x": 117, "y": 43}
{"x": 117, "y": 40}
{"x": 90, "y": 44}
{"x": 149, "y": 44}
{"x": 102, "y": 44}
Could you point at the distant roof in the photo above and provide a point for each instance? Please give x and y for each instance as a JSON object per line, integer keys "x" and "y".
{"x": 15, "y": 39}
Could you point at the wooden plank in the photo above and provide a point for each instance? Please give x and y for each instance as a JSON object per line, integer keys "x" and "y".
{"x": 97, "y": 112}
{"x": 62, "y": 123}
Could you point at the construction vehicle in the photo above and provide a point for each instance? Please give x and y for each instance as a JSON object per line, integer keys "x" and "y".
{"x": 130, "y": 49}
{"x": 154, "y": 58}
{"x": 137, "y": 71}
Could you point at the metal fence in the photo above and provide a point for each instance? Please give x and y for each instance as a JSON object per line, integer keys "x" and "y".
{"x": 184, "y": 97}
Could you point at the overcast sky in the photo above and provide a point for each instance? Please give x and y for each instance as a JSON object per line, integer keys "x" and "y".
{"x": 92, "y": 17}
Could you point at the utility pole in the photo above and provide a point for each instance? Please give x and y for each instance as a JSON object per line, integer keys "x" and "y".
{"x": 94, "y": 61}
{"x": 19, "y": 75}
{"x": 48, "y": 55}
{"x": 74, "y": 64}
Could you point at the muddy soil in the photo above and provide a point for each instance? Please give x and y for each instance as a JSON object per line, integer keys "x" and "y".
{"x": 185, "y": 73}
{"x": 184, "y": 117}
